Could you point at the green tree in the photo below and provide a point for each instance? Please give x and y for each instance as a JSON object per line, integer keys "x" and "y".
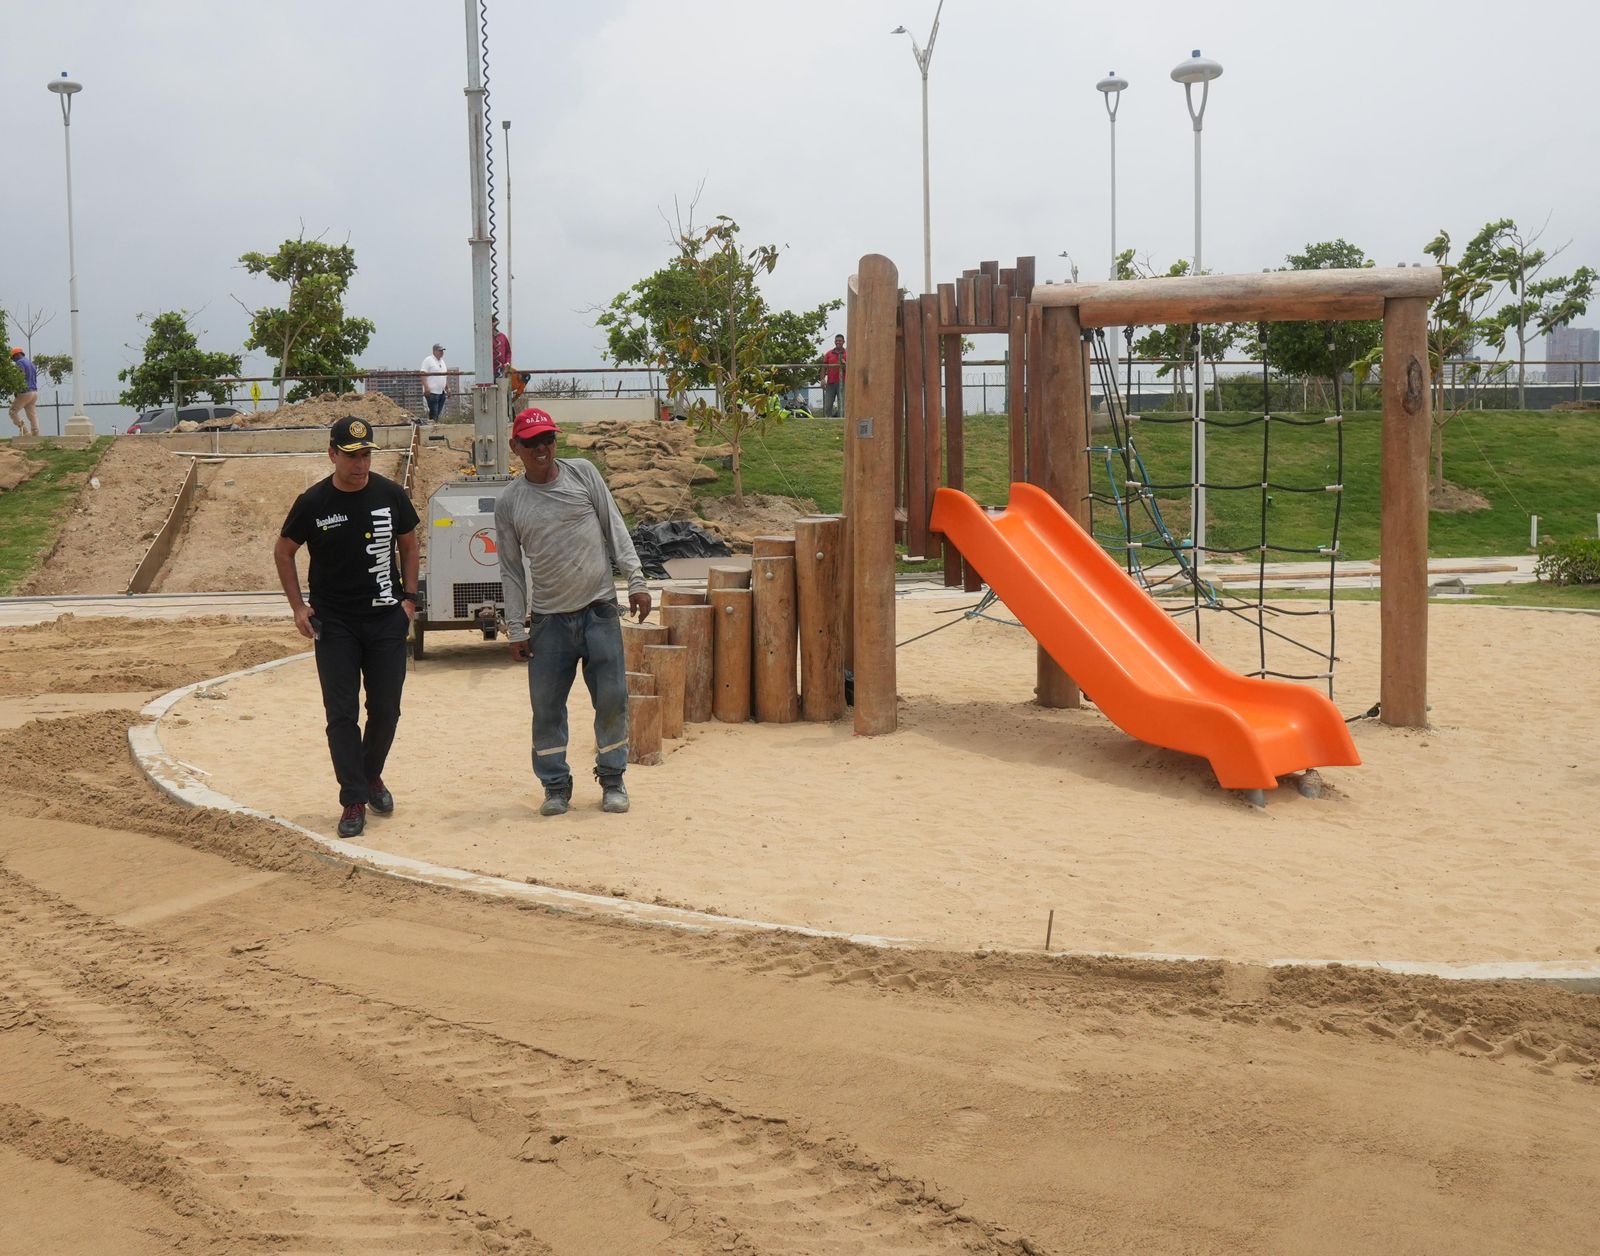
{"x": 703, "y": 321}
{"x": 172, "y": 356}
{"x": 11, "y": 377}
{"x": 1173, "y": 343}
{"x": 1511, "y": 256}
{"x": 1322, "y": 351}
{"x": 56, "y": 365}
{"x": 309, "y": 334}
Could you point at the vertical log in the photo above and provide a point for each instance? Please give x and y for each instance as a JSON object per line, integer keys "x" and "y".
{"x": 1034, "y": 398}
{"x": 955, "y": 460}
{"x": 897, "y": 418}
{"x": 777, "y": 697}
{"x": 869, "y": 413}
{"x": 917, "y": 495}
{"x": 683, "y": 595}
{"x": 932, "y": 411}
{"x": 1017, "y": 326}
{"x": 1063, "y": 422}
{"x": 644, "y": 729}
{"x": 669, "y": 665}
{"x": 691, "y": 627}
{"x": 726, "y": 576}
{"x": 819, "y": 587}
{"x": 730, "y": 673}
{"x": 1407, "y": 428}
{"x": 771, "y": 547}
{"x": 641, "y": 682}
{"x": 848, "y": 645}
{"x": 634, "y": 639}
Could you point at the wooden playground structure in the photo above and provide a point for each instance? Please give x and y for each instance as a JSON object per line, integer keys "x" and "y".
{"x": 904, "y": 435}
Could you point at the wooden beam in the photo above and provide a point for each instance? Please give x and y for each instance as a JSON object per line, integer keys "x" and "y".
{"x": 869, "y": 422}
{"x": 1285, "y": 296}
{"x": 1403, "y": 535}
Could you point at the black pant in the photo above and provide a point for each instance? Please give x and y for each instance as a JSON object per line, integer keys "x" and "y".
{"x": 373, "y": 648}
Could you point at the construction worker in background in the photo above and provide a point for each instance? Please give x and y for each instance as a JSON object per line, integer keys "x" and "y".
{"x": 833, "y": 379}
{"x": 26, "y": 401}
{"x": 502, "y": 350}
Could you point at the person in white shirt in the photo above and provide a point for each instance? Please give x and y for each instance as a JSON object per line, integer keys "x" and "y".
{"x": 435, "y": 380}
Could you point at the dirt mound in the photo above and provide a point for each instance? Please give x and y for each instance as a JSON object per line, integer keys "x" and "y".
{"x": 759, "y": 514}
{"x": 1453, "y": 499}
{"x": 651, "y": 468}
{"x": 15, "y": 467}
{"x": 110, "y": 527}
{"x": 322, "y": 410}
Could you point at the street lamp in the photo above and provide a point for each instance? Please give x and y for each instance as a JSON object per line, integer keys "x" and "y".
{"x": 79, "y": 424}
{"x": 1112, "y": 88}
{"x": 1201, "y": 70}
{"x": 924, "y": 56}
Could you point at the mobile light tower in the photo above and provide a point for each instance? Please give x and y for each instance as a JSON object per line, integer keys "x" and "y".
{"x": 505, "y": 148}
{"x": 79, "y": 424}
{"x": 489, "y": 452}
{"x": 1198, "y": 70}
{"x": 924, "y": 58}
{"x": 1111, "y": 87}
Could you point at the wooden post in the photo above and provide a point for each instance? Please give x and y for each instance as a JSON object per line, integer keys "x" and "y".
{"x": 869, "y": 416}
{"x": 669, "y": 665}
{"x": 682, "y": 595}
{"x": 730, "y": 672}
{"x": 771, "y": 547}
{"x": 634, "y": 639}
{"x": 726, "y": 577}
{"x": 641, "y": 683}
{"x": 819, "y": 583}
{"x": 644, "y": 729}
{"x": 955, "y": 459}
{"x": 1062, "y": 421}
{"x": 1403, "y": 528}
{"x": 1017, "y": 346}
{"x": 932, "y": 410}
{"x": 777, "y": 696}
{"x": 917, "y": 492}
{"x": 690, "y": 627}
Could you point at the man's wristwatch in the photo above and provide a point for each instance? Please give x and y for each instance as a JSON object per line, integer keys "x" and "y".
{"x": 408, "y": 596}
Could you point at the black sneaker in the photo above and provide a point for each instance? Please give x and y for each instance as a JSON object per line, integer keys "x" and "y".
{"x": 354, "y": 820}
{"x": 379, "y": 799}
{"x": 613, "y": 797}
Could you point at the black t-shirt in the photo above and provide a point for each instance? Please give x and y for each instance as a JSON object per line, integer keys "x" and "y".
{"x": 355, "y": 564}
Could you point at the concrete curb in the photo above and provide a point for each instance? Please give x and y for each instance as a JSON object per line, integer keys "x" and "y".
{"x": 181, "y": 781}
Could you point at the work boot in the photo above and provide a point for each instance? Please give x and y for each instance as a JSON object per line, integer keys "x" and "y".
{"x": 613, "y": 797}
{"x": 354, "y": 820}
{"x": 556, "y": 801}
{"x": 379, "y": 798}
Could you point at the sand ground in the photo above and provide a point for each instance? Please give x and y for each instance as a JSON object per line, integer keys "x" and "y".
{"x": 986, "y": 813}
{"x": 211, "y": 1040}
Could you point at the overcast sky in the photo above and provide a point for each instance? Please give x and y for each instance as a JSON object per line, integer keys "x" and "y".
{"x": 207, "y": 128}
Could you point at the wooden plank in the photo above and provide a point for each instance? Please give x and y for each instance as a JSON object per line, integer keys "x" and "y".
{"x": 869, "y": 422}
{"x": 1277, "y": 296}
{"x": 1008, "y": 277}
{"x": 917, "y": 495}
{"x": 1403, "y": 527}
{"x": 992, "y": 269}
{"x": 967, "y": 301}
{"x": 983, "y": 304}
{"x": 1063, "y": 393}
{"x": 955, "y": 464}
{"x": 160, "y": 550}
{"x": 1017, "y": 390}
{"x": 1026, "y": 275}
{"x": 947, "y": 303}
{"x": 932, "y": 411}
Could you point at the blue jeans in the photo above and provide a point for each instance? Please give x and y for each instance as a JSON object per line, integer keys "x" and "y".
{"x": 555, "y": 644}
{"x": 833, "y": 400}
{"x": 435, "y": 405}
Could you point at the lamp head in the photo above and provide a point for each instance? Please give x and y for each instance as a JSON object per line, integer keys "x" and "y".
{"x": 1196, "y": 69}
{"x": 899, "y": 30}
{"x": 64, "y": 86}
{"x": 1111, "y": 83}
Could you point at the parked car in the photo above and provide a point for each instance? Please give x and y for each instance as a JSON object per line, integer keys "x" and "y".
{"x": 150, "y": 422}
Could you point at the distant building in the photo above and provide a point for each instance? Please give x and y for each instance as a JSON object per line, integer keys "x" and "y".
{"x": 1566, "y": 345}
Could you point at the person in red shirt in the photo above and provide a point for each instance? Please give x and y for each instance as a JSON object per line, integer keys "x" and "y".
{"x": 502, "y": 350}
{"x": 833, "y": 369}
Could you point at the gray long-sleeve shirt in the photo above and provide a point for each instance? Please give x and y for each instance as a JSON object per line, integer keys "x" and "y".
{"x": 568, "y": 531}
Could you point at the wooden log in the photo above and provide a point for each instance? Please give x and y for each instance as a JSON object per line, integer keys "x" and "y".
{"x": 983, "y": 306}
{"x": 1403, "y": 525}
{"x": 869, "y": 410}
{"x": 644, "y": 729}
{"x": 771, "y": 547}
{"x": 634, "y": 639}
{"x": 1035, "y": 396}
{"x": 683, "y": 595}
{"x": 691, "y": 627}
{"x": 820, "y": 607}
{"x": 954, "y": 448}
{"x": 777, "y": 693}
{"x": 730, "y": 669}
{"x": 932, "y": 409}
{"x": 669, "y": 665}
{"x": 641, "y": 682}
{"x": 917, "y": 494}
{"x": 726, "y": 576}
{"x": 1063, "y": 423}
{"x": 1016, "y": 390}
{"x": 1277, "y": 296}
{"x": 947, "y": 303}
{"x": 897, "y": 418}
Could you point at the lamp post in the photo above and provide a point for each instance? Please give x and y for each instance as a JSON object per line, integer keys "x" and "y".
{"x": 79, "y": 424}
{"x": 924, "y": 56}
{"x": 511, "y": 275}
{"x": 1111, "y": 87}
{"x": 1201, "y": 70}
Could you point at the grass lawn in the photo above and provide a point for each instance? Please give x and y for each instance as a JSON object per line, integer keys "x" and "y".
{"x": 1582, "y": 597}
{"x": 1544, "y": 463}
{"x": 31, "y": 514}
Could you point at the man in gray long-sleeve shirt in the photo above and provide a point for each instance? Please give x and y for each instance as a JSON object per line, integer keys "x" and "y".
{"x": 561, "y": 519}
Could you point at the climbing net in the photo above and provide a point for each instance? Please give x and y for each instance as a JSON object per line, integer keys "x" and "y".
{"x": 1128, "y": 518}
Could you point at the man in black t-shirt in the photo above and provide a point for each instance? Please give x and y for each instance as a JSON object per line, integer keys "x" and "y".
{"x": 361, "y": 530}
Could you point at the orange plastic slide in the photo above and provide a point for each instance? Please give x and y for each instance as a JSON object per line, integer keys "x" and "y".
{"x": 1142, "y": 670}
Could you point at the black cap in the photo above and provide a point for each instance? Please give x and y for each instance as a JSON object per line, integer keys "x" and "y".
{"x": 351, "y": 434}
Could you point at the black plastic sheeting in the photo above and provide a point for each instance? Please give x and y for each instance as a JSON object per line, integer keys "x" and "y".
{"x": 674, "y": 538}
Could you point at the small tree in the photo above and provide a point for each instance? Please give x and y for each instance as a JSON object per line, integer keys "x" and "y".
{"x": 1173, "y": 344}
{"x": 11, "y": 376}
{"x": 309, "y": 334}
{"x": 703, "y": 321}
{"x": 1322, "y": 351}
{"x": 172, "y": 353}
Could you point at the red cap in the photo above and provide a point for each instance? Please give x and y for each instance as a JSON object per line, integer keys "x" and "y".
{"x": 532, "y": 422}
